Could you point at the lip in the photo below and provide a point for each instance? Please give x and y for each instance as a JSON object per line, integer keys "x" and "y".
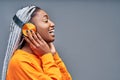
{"x": 51, "y": 32}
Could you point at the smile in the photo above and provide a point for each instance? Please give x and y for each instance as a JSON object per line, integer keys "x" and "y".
{"x": 52, "y": 31}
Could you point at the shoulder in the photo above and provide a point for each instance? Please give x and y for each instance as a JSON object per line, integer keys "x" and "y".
{"x": 20, "y": 57}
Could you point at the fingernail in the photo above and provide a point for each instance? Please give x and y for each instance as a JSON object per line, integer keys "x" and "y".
{"x": 27, "y": 31}
{"x": 30, "y": 30}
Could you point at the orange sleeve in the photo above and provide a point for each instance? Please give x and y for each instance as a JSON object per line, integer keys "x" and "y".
{"x": 65, "y": 74}
{"x": 50, "y": 68}
{"x": 24, "y": 70}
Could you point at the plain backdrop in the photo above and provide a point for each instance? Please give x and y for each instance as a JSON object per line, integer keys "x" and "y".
{"x": 87, "y": 34}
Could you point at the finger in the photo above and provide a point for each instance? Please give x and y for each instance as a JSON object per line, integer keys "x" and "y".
{"x": 50, "y": 44}
{"x": 35, "y": 36}
{"x": 52, "y": 47}
{"x": 39, "y": 37}
{"x": 31, "y": 38}
{"x": 29, "y": 42}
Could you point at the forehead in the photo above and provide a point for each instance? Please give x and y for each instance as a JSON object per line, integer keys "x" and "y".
{"x": 41, "y": 13}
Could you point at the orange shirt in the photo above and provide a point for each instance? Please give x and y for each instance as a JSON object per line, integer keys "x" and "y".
{"x": 27, "y": 66}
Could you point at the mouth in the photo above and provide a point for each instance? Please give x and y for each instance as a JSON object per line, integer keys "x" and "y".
{"x": 51, "y": 32}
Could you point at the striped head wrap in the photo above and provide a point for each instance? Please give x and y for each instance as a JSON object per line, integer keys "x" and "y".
{"x": 24, "y": 15}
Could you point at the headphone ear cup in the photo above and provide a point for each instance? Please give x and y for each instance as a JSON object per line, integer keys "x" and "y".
{"x": 28, "y": 26}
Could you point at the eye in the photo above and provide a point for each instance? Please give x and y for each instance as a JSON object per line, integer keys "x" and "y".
{"x": 45, "y": 20}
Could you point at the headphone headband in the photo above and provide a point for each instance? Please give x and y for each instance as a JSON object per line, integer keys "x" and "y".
{"x": 18, "y": 21}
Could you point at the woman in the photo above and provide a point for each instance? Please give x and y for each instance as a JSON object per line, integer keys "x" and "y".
{"x": 35, "y": 57}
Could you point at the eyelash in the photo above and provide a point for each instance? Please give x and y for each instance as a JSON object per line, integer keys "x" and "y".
{"x": 46, "y": 20}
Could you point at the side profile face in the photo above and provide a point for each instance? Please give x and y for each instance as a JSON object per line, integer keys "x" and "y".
{"x": 45, "y": 27}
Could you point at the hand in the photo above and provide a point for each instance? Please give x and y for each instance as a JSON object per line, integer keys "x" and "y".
{"x": 36, "y": 43}
{"x": 52, "y": 48}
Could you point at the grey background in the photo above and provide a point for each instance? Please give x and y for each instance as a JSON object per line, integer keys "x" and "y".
{"x": 87, "y": 34}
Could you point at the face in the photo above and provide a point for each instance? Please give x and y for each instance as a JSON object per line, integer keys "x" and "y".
{"x": 45, "y": 27}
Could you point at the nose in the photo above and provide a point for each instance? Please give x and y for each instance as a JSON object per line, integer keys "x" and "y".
{"x": 52, "y": 24}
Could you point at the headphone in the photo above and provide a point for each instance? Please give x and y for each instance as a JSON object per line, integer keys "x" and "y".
{"x": 24, "y": 26}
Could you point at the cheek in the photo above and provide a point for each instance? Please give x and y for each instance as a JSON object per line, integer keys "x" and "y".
{"x": 41, "y": 26}
{"x": 43, "y": 30}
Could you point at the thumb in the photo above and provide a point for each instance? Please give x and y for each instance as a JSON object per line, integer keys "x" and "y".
{"x": 52, "y": 48}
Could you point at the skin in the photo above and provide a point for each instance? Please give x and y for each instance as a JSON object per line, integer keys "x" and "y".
{"x": 40, "y": 42}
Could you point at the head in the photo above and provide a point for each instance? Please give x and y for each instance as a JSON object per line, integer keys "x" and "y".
{"x": 44, "y": 26}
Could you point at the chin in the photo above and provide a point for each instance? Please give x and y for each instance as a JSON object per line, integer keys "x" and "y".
{"x": 50, "y": 40}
